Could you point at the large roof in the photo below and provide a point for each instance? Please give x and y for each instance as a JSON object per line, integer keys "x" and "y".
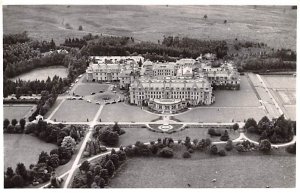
{"x": 175, "y": 83}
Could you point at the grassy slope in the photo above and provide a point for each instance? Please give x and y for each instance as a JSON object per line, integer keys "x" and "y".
{"x": 275, "y": 26}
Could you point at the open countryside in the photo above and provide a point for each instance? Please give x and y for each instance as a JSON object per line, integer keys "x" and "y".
{"x": 149, "y": 96}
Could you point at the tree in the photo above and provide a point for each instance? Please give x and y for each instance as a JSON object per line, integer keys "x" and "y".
{"x": 235, "y": 126}
{"x": 21, "y": 170}
{"x": 265, "y": 146}
{"x": 186, "y": 154}
{"x": 80, "y": 28}
{"x": 10, "y": 129}
{"x": 22, "y": 123}
{"x": 250, "y": 122}
{"x": 225, "y": 21}
{"x": 110, "y": 167}
{"x": 14, "y": 122}
{"x": 68, "y": 143}
{"x": 85, "y": 166}
{"x": 205, "y": 17}
{"x": 17, "y": 181}
{"x": 6, "y": 122}
{"x": 43, "y": 157}
{"x": 214, "y": 149}
{"x": 9, "y": 172}
{"x": 115, "y": 159}
{"x": 54, "y": 161}
{"x": 229, "y": 145}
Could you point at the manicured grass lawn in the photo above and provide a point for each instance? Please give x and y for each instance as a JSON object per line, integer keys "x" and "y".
{"x": 76, "y": 110}
{"x": 87, "y": 89}
{"x": 16, "y": 112}
{"x": 232, "y": 171}
{"x": 237, "y": 98}
{"x": 221, "y": 115}
{"x": 43, "y": 73}
{"x": 123, "y": 112}
{"x": 144, "y": 135}
{"x": 23, "y": 148}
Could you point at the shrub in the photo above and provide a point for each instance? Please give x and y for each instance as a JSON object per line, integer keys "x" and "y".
{"x": 166, "y": 152}
{"x": 109, "y": 137}
{"x": 80, "y": 28}
{"x": 222, "y": 153}
{"x": 213, "y": 132}
{"x": 225, "y": 136}
{"x": 190, "y": 150}
{"x": 17, "y": 181}
{"x": 186, "y": 154}
{"x": 265, "y": 146}
{"x": 291, "y": 148}
{"x": 229, "y": 145}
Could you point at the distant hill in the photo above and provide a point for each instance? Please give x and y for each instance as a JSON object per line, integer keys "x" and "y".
{"x": 274, "y": 25}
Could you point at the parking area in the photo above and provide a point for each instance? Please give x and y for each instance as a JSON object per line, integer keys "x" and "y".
{"x": 89, "y": 88}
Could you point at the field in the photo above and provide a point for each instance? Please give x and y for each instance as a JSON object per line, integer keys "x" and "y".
{"x": 88, "y": 88}
{"x": 274, "y": 25}
{"x": 16, "y": 111}
{"x": 23, "y": 148}
{"x": 123, "y": 112}
{"x": 283, "y": 88}
{"x": 43, "y": 73}
{"x": 144, "y": 135}
{"x": 230, "y": 105}
{"x": 76, "y": 110}
{"x": 229, "y": 172}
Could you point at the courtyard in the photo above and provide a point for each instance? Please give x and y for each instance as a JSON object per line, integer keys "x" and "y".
{"x": 88, "y": 88}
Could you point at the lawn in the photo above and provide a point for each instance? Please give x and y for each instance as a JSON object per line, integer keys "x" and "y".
{"x": 108, "y": 96}
{"x": 23, "y": 148}
{"x": 76, "y": 110}
{"x": 274, "y": 25}
{"x": 144, "y": 135}
{"x": 43, "y": 73}
{"x": 221, "y": 114}
{"x": 16, "y": 111}
{"x": 233, "y": 171}
{"x": 87, "y": 89}
{"x": 122, "y": 112}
